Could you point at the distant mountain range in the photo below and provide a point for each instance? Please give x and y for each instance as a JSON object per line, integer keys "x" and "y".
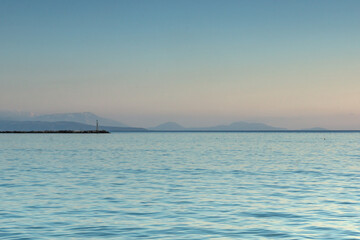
{"x": 168, "y": 126}
{"x": 236, "y": 126}
{"x": 85, "y": 118}
{"x": 25, "y": 121}
{"x": 6, "y": 125}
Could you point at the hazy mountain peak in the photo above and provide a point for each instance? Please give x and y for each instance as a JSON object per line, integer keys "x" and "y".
{"x": 169, "y": 126}
{"x": 80, "y": 117}
{"x": 235, "y": 126}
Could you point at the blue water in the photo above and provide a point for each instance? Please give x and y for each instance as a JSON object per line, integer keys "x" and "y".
{"x": 180, "y": 186}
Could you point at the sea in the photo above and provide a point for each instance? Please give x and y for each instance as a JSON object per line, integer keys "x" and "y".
{"x": 257, "y": 185}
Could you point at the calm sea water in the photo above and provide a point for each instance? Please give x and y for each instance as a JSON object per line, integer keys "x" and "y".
{"x": 180, "y": 186}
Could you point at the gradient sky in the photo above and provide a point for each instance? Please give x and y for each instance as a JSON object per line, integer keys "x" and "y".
{"x": 287, "y": 63}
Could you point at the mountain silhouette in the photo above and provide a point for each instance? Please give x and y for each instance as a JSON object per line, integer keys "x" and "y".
{"x": 236, "y": 126}
{"x": 168, "y": 126}
{"x": 85, "y": 117}
{"x": 60, "y": 125}
{"x": 79, "y": 117}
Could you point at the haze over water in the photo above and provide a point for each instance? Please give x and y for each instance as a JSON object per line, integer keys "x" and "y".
{"x": 180, "y": 186}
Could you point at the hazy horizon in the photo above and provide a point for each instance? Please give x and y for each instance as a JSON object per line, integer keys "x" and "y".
{"x": 292, "y": 64}
{"x": 290, "y": 123}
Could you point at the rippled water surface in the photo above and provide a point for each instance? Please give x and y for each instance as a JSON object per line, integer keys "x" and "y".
{"x": 180, "y": 186}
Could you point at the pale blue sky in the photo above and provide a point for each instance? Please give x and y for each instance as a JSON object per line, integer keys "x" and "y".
{"x": 195, "y": 62}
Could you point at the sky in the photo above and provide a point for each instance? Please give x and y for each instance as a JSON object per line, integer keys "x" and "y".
{"x": 293, "y": 64}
